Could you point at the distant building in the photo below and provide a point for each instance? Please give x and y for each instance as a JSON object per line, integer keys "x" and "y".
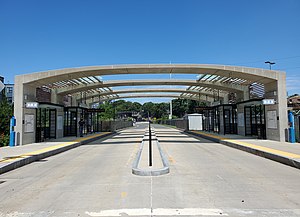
{"x": 2, "y": 94}
{"x": 294, "y": 101}
{"x": 7, "y": 92}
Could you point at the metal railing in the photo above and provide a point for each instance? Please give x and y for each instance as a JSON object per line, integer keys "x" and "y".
{"x": 179, "y": 123}
{"x": 110, "y": 126}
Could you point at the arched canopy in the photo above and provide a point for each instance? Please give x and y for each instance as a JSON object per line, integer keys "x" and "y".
{"x": 249, "y": 74}
{"x": 140, "y": 95}
{"x": 211, "y": 78}
{"x": 165, "y": 82}
{"x": 197, "y": 95}
{"x": 233, "y": 82}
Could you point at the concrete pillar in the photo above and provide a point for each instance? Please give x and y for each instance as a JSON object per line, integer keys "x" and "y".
{"x": 18, "y": 108}
{"x": 243, "y": 95}
{"x": 276, "y": 129}
{"x": 24, "y": 93}
{"x": 226, "y": 98}
{"x": 56, "y": 98}
{"x": 246, "y": 93}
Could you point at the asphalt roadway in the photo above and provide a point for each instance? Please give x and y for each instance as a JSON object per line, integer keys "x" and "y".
{"x": 205, "y": 179}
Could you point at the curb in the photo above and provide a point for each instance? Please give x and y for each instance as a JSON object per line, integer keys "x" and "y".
{"x": 155, "y": 172}
{"x": 36, "y": 157}
{"x": 278, "y": 158}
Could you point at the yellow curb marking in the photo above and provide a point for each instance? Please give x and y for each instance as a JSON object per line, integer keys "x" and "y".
{"x": 133, "y": 154}
{"x": 205, "y": 134}
{"x": 249, "y": 145}
{"x": 90, "y": 137}
{"x": 261, "y": 148}
{"x": 124, "y": 194}
{"x": 51, "y": 148}
{"x": 171, "y": 160}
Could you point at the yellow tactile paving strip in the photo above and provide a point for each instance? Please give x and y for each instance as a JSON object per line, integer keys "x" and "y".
{"x": 51, "y": 148}
{"x": 249, "y": 145}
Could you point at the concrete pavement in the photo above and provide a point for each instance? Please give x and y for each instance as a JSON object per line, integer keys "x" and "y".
{"x": 206, "y": 179}
{"x": 282, "y": 152}
{"x": 15, "y": 157}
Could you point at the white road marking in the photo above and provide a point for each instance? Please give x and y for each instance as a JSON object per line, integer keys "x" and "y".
{"x": 220, "y": 177}
{"x": 120, "y": 212}
{"x": 151, "y": 197}
{"x": 26, "y": 214}
{"x": 160, "y": 212}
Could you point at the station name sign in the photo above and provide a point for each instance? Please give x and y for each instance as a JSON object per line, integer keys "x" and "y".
{"x": 268, "y": 101}
{"x": 31, "y": 105}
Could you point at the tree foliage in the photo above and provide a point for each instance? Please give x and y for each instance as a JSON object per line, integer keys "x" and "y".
{"x": 6, "y": 112}
{"x": 154, "y": 110}
{"x": 111, "y": 108}
{"x": 183, "y": 106}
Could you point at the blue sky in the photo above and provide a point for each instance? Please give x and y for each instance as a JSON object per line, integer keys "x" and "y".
{"x": 43, "y": 35}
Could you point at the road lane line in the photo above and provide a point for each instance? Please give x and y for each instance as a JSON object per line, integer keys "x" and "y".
{"x": 151, "y": 197}
{"x": 158, "y": 212}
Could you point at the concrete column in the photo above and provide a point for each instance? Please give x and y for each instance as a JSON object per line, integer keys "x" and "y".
{"x": 226, "y": 98}
{"x": 243, "y": 95}
{"x": 241, "y": 123}
{"x": 277, "y": 90}
{"x": 56, "y": 98}
{"x": 18, "y": 108}
{"x": 246, "y": 93}
{"x": 23, "y": 94}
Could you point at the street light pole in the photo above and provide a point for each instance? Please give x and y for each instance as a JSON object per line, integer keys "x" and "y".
{"x": 171, "y": 109}
{"x": 270, "y": 64}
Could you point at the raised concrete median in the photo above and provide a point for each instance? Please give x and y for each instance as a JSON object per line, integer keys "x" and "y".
{"x": 160, "y": 164}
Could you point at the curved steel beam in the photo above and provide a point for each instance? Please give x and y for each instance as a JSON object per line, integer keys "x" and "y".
{"x": 168, "y": 82}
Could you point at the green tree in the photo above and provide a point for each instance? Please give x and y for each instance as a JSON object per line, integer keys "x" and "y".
{"x": 179, "y": 107}
{"x": 183, "y": 106}
{"x": 148, "y": 108}
{"x": 109, "y": 111}
{"x": 6, "y": 112}
{"x": 160, "y": 109}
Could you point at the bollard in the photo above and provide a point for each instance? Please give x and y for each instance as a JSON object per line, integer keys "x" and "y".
{"x": 292, "y": 136}
{"x": 12, "y": 134}
{"x": 150, "y": 146}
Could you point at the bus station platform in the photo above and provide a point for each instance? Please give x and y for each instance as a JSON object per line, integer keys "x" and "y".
{"x": 283, "y": 152}
{"x": 17, "y": 156}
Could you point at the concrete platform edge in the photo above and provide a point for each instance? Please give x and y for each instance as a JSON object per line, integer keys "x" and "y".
{"x": 33, "y": 158}
{"x": 278, "y": 158}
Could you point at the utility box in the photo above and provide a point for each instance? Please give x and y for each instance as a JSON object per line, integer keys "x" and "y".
{"x": 195, "y": 121}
